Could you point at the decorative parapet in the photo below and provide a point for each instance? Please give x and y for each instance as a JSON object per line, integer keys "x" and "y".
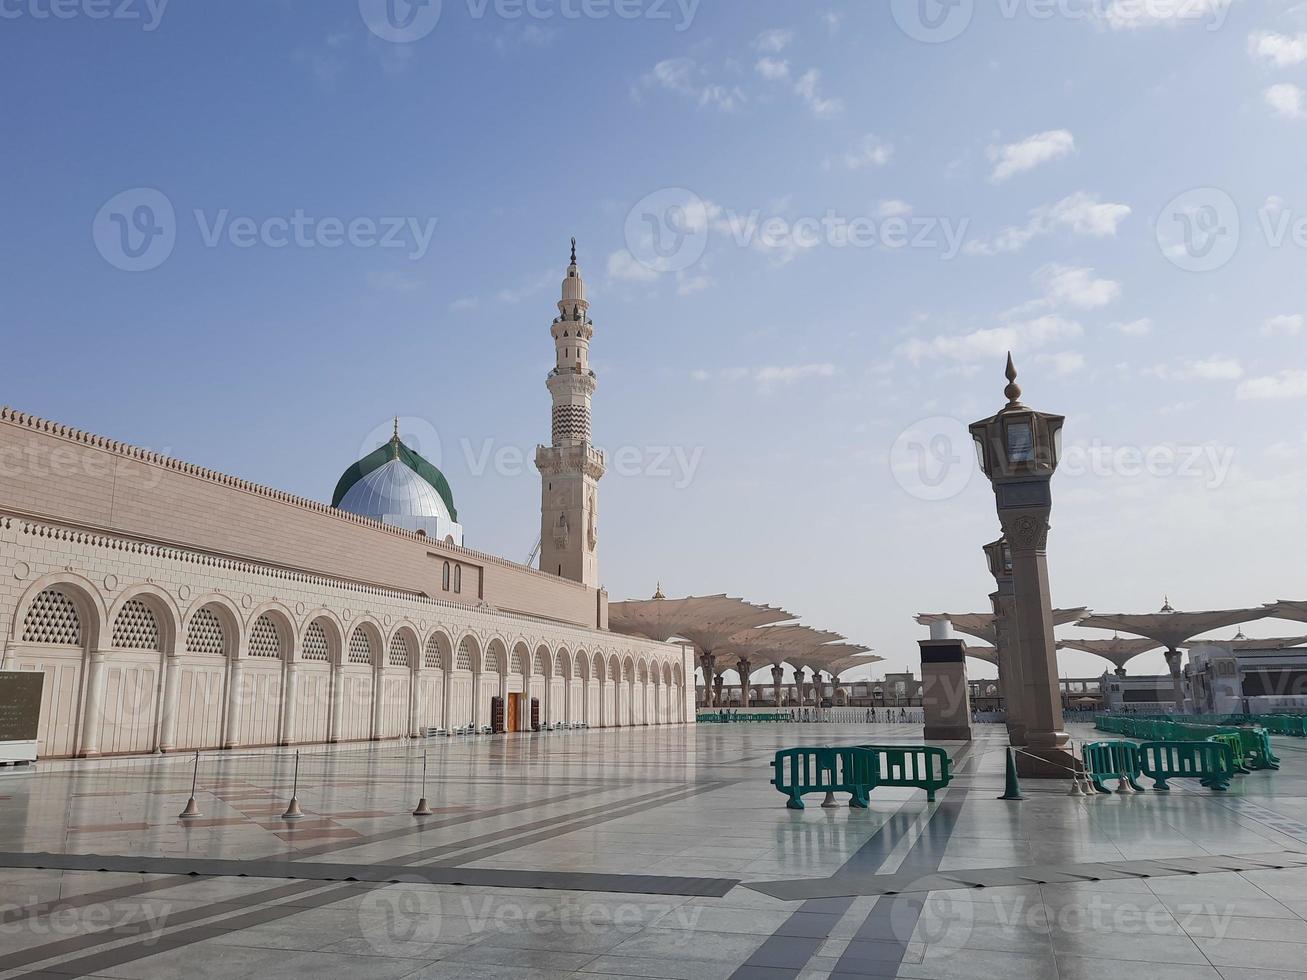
{"x": 127, "y": 451}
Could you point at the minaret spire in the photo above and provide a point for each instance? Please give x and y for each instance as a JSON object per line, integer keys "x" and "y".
{"x": 570, "y": 467}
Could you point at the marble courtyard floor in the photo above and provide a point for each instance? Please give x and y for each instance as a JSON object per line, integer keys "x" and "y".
{"x": 639, "y": 853}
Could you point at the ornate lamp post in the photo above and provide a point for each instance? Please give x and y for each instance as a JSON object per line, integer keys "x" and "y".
{"x": 1018, "y": 450}
{"x": 1003, "y": 600}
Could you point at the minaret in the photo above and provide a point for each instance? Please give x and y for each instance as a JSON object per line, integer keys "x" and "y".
{"x": 571, "y": 468}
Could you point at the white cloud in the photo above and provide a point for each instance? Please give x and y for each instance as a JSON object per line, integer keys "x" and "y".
{"x": 1281, "y": 50}
{"x": 1065, "y": 362}
{"x": 1031, "y": 152}
{"x": 1081, "y": 213}
{"x": 808, "y": 88}
{"x": 1285, "y": 385}
{"x": 1076, "y": 286}
{"x": 622, "y": 265}
{"x": 774, "y": 40}
{"x": 1285, "y": 100}
{"x": 1214, "y": 368}
{"x": 464, "y": 304}
{"x": 993, "y": 341}
{"x": 893, "y": 209}
{"x": 728, "y": 99}
{"x": 773, "y": 69}
{"x": 688, "y": 284}
{"x": 869, "y": 151}
{"x": 683, "y": 76}
{"x": 1285, "y": 325}
{"x": 1134, "y": 328}
{"x": 771, "y": 376}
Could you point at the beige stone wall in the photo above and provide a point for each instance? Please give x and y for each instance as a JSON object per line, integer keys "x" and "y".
{"x": 52, "y": 471}
{"x": 117, "y": 531}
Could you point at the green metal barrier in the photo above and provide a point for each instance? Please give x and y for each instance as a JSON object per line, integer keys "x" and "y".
{"x": 1235, "y": 744}
{"x": 1115, "y": 759}
{"x": 915, "y": 766}
{"x": 1250, "y": 743}
{"x": 1211, "y": 763}
{"x": 820, "y": 770}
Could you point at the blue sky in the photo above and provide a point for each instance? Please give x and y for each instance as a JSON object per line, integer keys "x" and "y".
{"x": 777, "y": 396}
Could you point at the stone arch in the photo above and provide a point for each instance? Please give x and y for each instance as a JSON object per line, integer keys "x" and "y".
{"x": 438, "y": 651}
{"x": 467, "y": 654}
{"x": 496, "y": 657}
{"x": 87, "y": 603}
{"x": 403, "y": 646}
{"x": 365, "y": 644}
{"x": 520, "y": 660}
{"x": 231, "y": 621}
{"x": 599, "y": 667}
{"x": 130, "y": 631}
{"x": 323, "y": 626}
{"x": 40, "y": 616}
{"x": 283, "y": 623}
{"x": 578, "y": 666}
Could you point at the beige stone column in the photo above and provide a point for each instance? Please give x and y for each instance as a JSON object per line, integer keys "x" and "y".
{"x": 447, "y": 673}
{"x": 235, "y": 671}
{"x": 172, "y": 678}
{"x": 1173, "y": 664}
{"x": 289, "y": 699}
{"x": 378, "y": 696}
{"x": 337, "y": 702}
{"x": 93, "y": 716}
{"x": 414, "y": 693}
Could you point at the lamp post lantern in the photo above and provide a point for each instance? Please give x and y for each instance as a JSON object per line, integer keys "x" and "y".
{"x": 1018, "y": 451}
{"x": 1010, "y": 676}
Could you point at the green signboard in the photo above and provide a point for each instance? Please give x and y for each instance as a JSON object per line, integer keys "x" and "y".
{"x": 20, "y": 705}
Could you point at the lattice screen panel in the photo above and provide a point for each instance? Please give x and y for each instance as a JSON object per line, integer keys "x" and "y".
{"x": 52, "y": 618}
{"x": 206, "y": 634}
{"x": 433, "y": 658}
{"x": 360, "y": 647}
{"x": 399, "y": 652}
{"x": 265, "y": 639}
{"x": 464, "y": 659}
{"x": 136, "y": 628}
{"x": 315, "y": 643}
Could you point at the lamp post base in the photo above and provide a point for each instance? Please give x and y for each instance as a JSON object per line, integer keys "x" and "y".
{"x": 1047, "y": 763}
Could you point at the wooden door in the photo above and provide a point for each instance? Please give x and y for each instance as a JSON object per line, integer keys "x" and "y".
{"x": 514, "y": 713}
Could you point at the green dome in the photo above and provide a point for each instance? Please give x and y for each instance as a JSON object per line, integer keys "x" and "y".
{"x": 371, "y": 467}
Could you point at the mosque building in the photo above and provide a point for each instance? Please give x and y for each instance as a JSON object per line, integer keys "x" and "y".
{"x": 175, "y": 608}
